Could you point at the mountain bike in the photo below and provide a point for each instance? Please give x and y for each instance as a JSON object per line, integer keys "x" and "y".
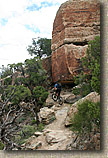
{"x": 54, "y": 97}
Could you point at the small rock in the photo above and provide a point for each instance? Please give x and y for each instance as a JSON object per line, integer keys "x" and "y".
{"x": 38, "y": 134}
{"x": 14, "y": 149}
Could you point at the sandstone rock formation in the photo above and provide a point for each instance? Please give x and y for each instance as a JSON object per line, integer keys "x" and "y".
{"x": 75, "y": 24}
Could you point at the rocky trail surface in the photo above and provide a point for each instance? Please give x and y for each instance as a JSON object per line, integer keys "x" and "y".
{"x": 55, "y": 135}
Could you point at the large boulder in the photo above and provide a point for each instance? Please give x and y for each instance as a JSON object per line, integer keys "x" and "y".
{"x": 46, "y": 115}
{"x": 93, "y": 96}
{"x": 75, "y": 24}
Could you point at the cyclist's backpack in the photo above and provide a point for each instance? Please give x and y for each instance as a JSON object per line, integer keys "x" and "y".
{"x": 59, "y": 86}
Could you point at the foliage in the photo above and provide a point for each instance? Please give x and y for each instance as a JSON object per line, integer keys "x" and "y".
{"x": 76, "y": 91}
{"x": 88, "y": 114}
{"x": 90, "y": 74}
{"x": 8, "y": 117}
{"x": 92, "y": 62}
{"x": 40, "y": 47}
{"x": 26, "y": 132}
{"x": 33, "y": 121}
{"x": 21, "y": 119}
{"x": 8, "y": 81}
{"x": 29, "y": 86}
{"x": 1, "y": 145}
{"x": 40, "y": 127}
{"x": 6, "y": 72}
{"x": 12, "y": 67}
{"x": 37, "y": 75}
{"x": 84, "y": 90}
{"x": 20, "y": 93}
{"x": 40, "y": 94}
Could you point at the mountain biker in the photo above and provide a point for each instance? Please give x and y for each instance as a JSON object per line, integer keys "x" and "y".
{"x": 57, "y": 88}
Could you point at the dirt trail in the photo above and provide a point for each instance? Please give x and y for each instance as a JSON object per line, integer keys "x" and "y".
{"x": 56, "y": 136}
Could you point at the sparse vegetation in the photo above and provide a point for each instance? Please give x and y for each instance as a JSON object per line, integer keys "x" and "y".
{"x": 1, "y": 146}
{"x": 40, "y": 127}
{"x": 26, "y": 132}
{"x": 89, "y": 78}
{"x": 30, "y": 87}
{"x": 40, "y": 47}
{"x": 87, "y": 116}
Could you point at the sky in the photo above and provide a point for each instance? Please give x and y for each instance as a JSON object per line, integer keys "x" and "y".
{"x": 22, "y": 20}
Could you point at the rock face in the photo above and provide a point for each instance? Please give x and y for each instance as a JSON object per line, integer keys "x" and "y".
{"x": 75, "y": 24}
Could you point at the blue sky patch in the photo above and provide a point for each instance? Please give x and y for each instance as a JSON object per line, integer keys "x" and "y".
{"x": 33, "y": 28}
{"x": 3, "y": 22}
{"x": 33, "y": 7}
{"x": 44, "y": 4}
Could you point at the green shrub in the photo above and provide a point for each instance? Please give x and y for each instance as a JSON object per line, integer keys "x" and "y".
{"x": 88, "y": 114}
{"x": 26, "y": 132}
{"x": 83, "y": 91}
{"x": 40, "y": 94}
{"x": 33, "y": 121}
{"x": 40, "y": 127}
{"x": 90, "y": 65}
{"x": 8, "y": 81}
{"x": 76, "y": 91}
{"x": 20, "y": 94}
{"x": 19, "y": 140}
{"x": 1, "y": 146}
{"x": 21, "y": 119}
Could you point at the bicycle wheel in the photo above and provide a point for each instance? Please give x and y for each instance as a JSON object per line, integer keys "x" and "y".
{"x": 60, "y": 100}
{"x": 54, "y": 97}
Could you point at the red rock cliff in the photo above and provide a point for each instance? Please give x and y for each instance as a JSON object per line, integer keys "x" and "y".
{"x": 76, "y": 23}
